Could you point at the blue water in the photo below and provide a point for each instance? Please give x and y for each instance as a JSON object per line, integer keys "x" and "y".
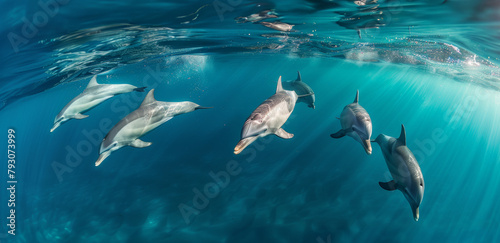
{"x": 431, "y": 66}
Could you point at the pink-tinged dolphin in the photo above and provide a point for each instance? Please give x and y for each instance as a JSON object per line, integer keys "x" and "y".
{"x": 148, "y": 116}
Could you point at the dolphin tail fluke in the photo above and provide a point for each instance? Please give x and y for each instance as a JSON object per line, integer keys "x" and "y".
{"x": 283, "y": 134}
{"x": 243, "y": 143}
{"x": 102, "y": 157}
{"x": 202, "y": 108}
{"x": 140, "y": 144}
{"x": 338, "y": 134}
{"x": 80, "y": 116}
{"x": 389, "y": 186}
{"x": 141, "y": 89}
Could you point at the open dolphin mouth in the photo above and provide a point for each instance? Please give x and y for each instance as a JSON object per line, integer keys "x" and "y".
{"x": 243, "y": 143}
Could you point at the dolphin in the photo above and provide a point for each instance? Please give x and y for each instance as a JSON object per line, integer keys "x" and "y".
{"x": 148, "y": 116}
{"x": 93, "y": 95}
{"x": 404, "y": 168}
{"x": 356, "y": 123}
{"x": 268, "y": 118}
{"x": 265, "y": 14}
{"x": 301, "y": 88}
{"x": 277, "y": 25}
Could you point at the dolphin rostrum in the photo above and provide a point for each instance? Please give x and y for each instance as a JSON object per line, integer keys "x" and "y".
{"x": 356, "y": 123}
{"x": 148, "y": 116}
{"x": 301, "y": 88}
{"x": 268, "y": 118}
{"x": 93, "y": 95}
{"x": 404, "y": 168}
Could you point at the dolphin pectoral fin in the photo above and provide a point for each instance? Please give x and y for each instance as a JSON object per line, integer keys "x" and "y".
{"x": 338, "y": 134}
{"x": 389, "y": 186}
{"x": 80, "y": 116}
{"x": 202, "y": 107}
{"x": 305, "y": 95}
{"x": 283, "y": 134}
{"x": 243, "y": 143}
{"x": 140, "y": 144}
{"x": 141, "y": 89}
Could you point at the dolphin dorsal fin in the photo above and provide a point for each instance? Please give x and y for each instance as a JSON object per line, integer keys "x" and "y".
{"x": 356, "y": 100}
{"x": 150, "y": 98}
{"x": 280, "y": 87}
{"x": 299, "y": 78}
{"x": 402, "y": 137}
{"x": 93, "y": 82}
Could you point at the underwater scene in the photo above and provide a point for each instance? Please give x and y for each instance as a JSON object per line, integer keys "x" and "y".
{"x": 240, "y": 121}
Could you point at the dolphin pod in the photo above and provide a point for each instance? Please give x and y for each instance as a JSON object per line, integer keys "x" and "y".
{"x": 93, "y": 95}
{"x": 404, "y": 168}
{"x": 148, "y": 116}
{"x": 268, "y": 118}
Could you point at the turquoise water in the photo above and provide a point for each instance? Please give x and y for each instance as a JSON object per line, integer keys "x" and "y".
{"x": 431, "y": 66}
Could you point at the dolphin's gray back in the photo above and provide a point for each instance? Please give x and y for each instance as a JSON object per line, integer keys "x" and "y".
{"x": 269, "y": 104}
{"x": 410, "y": 162}
{"x": 93, "y": 89}
{"x": 68, "y": 105}
{"x": 150, "y": 110}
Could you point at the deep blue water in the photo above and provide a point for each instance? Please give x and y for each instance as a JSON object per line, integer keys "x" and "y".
{"x": 431, "y": 66}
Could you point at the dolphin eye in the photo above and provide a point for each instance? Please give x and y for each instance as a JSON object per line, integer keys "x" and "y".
{"x": 257, "y": 117}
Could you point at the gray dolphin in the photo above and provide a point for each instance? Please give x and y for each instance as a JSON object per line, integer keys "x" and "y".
{"x": 404, "y": 168}
{"x": 148, "y": 116}
{"x": 93, "y": 95}
{"x": 268, "y": 118}
{"x": 356, "y": 123}
{"x": 265, "y": 14}
{"x": 301, "y": 88}
{"x": 277, "y": 25}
